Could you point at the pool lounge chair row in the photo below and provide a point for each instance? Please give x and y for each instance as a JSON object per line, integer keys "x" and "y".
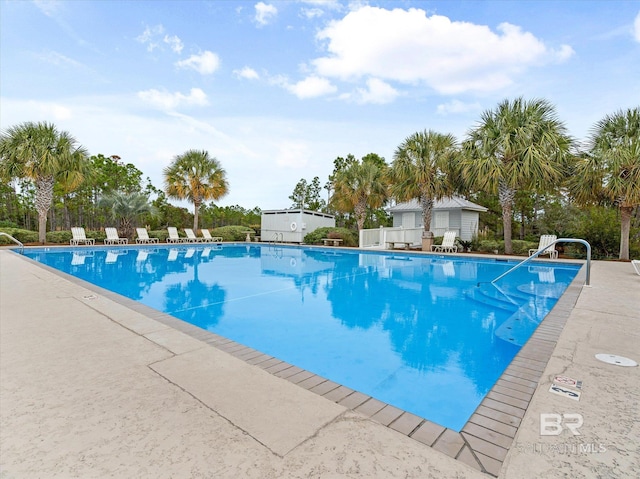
{"x": 79, "y": 237}
{"x": 191, "y": 237}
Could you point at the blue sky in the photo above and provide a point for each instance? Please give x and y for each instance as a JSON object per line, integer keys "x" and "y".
{"x": 276, "y": 90}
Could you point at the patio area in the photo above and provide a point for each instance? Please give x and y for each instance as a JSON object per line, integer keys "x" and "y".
{"x": 90, "y": 387}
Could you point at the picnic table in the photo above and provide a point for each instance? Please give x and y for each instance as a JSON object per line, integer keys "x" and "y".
{"x": 392, "y": 244}
{"x": 330, "y": 241}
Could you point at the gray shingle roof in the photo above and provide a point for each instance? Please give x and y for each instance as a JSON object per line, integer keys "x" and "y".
{"x": 454, "y": 202}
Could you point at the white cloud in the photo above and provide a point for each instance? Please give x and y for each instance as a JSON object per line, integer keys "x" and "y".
{"x": 164, "y": 100}
{"x": 154, "y": 37}
{"x": 57, "y": 11}
{"x": 377, "y": 92}
{"x": 410, "y": 47}
{"x": 311, "y": 87}
{"x": 174, "y": 42}
{"x": 330, "y": 4}
{"x": 60, "y": 112}
{"x": 48, "y": 7}
{"x": 457, "y": 106}
{"x": 206, "y": 63}
{"x": 247, "y": 73}
{"x": 59, "y": 59}
{"x": 636, "y": 28}
{"x": 265, "y": 13}
{"x": 293, "y": 154}
{"x": 564, "y": 53}
{"x": 55, "y": 111}
{"x": 312, "y": 12}
{"x": 63, "y": 62}
{"x": 150, "y": 37}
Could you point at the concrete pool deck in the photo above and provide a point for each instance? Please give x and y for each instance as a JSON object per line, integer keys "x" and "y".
{"x": 92, "y": 388}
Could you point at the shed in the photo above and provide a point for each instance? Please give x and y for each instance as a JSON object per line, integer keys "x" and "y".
{"x": 291, "y": 226}
{"x": 454, "y": 213}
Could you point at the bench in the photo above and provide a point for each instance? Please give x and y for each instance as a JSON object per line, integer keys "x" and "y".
{"x": 392, "y": 244}
{"x": 330, "y": 241}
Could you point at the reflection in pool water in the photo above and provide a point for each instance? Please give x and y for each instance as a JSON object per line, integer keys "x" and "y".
{"x": 413, "y": 331}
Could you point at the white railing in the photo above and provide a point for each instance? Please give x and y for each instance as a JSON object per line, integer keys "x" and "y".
{"x": 14, "y": 240}
{"x": 378, "y": 238}
{"x": 542, "y": 251}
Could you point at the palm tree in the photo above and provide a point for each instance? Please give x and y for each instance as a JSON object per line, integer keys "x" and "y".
{"x": 421, "y": 170}
{"x": 360, "y": 185}
{"x": 196, "y": 177}
{"x": 521, "y": 145}
{"x": 125, "y": 208}
{"x": 44, "y": 155}
{"x": 610, "y": 171}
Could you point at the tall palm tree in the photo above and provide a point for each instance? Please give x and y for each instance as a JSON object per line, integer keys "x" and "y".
{"x": 421, "y": 170}
{"x": 360, "y": 185}
{"x": 521, "y": 145}
{"x": 125, "y": 208}
{"x": 44, "y": 155}
{"x": 196, "y": 177}
{"x": 610, "y": 171}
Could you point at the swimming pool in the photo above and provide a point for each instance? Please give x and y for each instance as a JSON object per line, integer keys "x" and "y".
{"x": 414, "y": 331}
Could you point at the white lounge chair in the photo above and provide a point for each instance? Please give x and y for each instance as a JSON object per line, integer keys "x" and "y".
{"x": 190, "y": 252}
{"x": 112, "y": 257}
{"x": 448, "y": 269}
{"x": 545, "y": 274}
{"x": 207, "y": 238}
{"x": 546, "y": 240}
{"x": 191, "y": 237}
{"x": 77, "y": 259}
{"x": 113, "y": 238}
{"x": 79, "y": 237}
{"x": 636, "y": 265}
{"x": 448, "y": 243}
{"x": 174, "y": 237}
{"x": 173, "y": 254}
{"x": 143, "y": 254}
{"x": 143, "y": 237}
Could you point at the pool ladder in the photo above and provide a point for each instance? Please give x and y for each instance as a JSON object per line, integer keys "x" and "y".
{"x": 539, "y": 252}
{"x": 14, "y": 240}
{"x": 276, "y": 237}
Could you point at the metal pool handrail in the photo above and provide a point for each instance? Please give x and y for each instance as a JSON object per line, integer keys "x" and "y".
{"x": 539, "y": 252}
{"x": 276, "y": 237}
{"x": 14, "y": 240}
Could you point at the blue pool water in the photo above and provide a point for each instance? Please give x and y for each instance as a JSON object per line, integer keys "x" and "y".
{"x": 414, "y": 331}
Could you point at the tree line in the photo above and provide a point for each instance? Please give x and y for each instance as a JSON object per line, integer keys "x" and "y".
{"x": 46, "y": 178}
{"x": 518, "y": 160}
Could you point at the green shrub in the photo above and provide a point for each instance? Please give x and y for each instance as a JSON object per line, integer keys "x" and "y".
{"x": 522, "y": 247}
{"x": 465, "y": 245}
{"x": 256, "y": 228}
{"x": 348, "y": 237}
{"x": 99, "y": 236}
{"x": 9, "y": 231}
{"x": 600, "y": 227}
{"x": 232, "y": 233}
{"x": 8, "y": 224}
{"x": 59, "y": 237}
{"x": 490, "y": 246}
{"x": 24, "y": 236}
{"x": 162, "y": 235}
